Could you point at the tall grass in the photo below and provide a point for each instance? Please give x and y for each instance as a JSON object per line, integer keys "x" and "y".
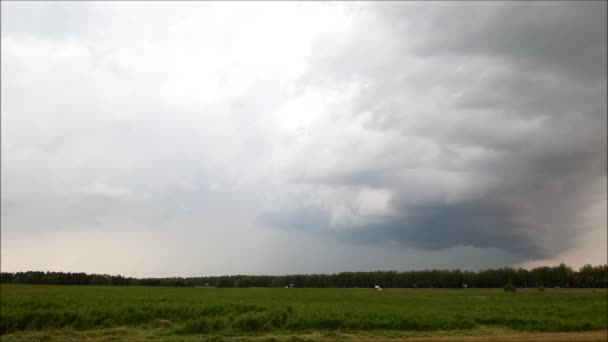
{"x": 238, "y": 311}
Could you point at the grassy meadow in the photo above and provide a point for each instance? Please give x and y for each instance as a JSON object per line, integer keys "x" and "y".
{"x": 46, "y": 312}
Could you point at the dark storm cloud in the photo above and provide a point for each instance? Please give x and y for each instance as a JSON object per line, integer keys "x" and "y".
{"x": 510, "y": 98}
{"x": 442, "y": 226}
{"x": 565, "y": 37}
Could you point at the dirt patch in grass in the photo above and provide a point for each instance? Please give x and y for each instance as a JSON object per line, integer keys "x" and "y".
{"x": 586, "y": 336}
{"x": 143, "y": 335}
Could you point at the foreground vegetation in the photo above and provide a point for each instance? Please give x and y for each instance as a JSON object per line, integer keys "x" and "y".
{"x": 47, "y": 312}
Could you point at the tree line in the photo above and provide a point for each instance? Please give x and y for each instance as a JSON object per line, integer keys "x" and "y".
{"x": 557, "y": 276}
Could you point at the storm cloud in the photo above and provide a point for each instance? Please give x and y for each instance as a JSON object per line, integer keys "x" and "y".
{"x": 486, "y": 124}
{"x": 359, "y": 135}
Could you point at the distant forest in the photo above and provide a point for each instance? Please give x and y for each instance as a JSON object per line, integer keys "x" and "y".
{"x": 559, "y": 276}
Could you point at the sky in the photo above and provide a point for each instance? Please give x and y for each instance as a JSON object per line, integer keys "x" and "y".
{"x": 156, "y": 139}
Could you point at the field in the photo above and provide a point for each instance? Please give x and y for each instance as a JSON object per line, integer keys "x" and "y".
{"x": 42, "y": 312}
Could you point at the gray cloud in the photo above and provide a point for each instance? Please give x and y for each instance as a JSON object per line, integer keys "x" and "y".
{"x": 438, "y": 133}
{"x": 495, "y": 116}
{"x": 567, "y": 38}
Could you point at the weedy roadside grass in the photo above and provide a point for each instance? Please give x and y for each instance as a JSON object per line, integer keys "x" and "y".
{"x": 113, "y": 313}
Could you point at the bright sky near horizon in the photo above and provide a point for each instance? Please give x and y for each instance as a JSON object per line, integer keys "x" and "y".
{"x": 209, "y": 138}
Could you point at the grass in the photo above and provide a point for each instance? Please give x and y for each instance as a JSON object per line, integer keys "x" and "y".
{"x": 41, "y": 312}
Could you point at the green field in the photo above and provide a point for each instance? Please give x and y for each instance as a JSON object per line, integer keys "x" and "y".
{"x": 42, "y": 312}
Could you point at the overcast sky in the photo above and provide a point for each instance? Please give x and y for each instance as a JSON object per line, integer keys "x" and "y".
{"x": 200, "y": 138}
